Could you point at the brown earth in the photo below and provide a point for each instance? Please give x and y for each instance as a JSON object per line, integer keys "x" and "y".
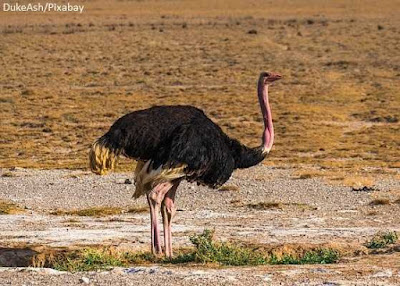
{"x": 65, "y": 78}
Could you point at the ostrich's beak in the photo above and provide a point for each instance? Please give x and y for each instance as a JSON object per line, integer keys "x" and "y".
{"x": 274, "y": 76}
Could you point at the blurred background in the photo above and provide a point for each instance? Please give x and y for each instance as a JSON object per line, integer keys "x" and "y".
{"x": 66, "y": 77}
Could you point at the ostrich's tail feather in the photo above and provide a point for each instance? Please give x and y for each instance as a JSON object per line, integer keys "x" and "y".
{"x": 147, "y": 177}
{"x": 102, "y": 156}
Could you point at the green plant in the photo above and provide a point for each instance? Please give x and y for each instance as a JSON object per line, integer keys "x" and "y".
{"x": 317, "y": 256}
{"x": 207, "y": 250}
{"x": 382, "y": 239}
{"x": 88, "y": 259}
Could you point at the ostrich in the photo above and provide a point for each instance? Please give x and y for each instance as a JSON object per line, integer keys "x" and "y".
{"x": 172, "y": 143}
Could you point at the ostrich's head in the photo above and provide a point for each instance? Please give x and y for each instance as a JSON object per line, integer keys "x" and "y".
{"x": 269, "y": 77}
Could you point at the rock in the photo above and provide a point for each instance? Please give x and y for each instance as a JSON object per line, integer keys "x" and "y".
{"x": 84, "y": 280}
{"x": 118, "y": 271}
{"x": 152, "y": 271}
{"x": 128, "y": 182}
{"x": 252, "y": 32}
{"x": 267, "y": 277}
{"x": 320, "y": 270}
{"x": 134, "y": 270}
{"x": 51, "y": 271}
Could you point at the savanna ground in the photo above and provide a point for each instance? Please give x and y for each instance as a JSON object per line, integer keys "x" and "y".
{"x": 65, "y": 78}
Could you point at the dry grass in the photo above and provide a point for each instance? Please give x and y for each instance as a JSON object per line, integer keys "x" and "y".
{"x": 94, "y": 212}
{"x": 9, "y": 175}
{"x": 358, "y": 181}
{"x": 266, "y": 205}
{"x": 138, "y": 209}
{"x": 99, "y": 211}
{"x": 229, "y": 188}
{"x": 279, "y": 205}
{"x": 72, "y": 220}
{"x": 333, "y": 99}
{"x": 380, "y": 202}
{"x": 7, "y": 207}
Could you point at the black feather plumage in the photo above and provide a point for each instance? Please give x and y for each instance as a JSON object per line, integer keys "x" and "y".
{"x": 174, "y": 135}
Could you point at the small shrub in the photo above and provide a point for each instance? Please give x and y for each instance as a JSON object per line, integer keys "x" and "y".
{"x": 317, "y": 256}
{"x": 207, "y": 250}
{"x": 382, "y": 239}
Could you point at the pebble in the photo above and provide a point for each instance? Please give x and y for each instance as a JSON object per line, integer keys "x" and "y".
{"x": 84, "y": 280}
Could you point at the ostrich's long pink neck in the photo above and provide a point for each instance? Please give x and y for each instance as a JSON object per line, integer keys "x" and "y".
{"x": 268, "y": 134}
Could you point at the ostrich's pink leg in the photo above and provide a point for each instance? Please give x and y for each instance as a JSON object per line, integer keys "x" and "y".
{"x": 154, "y": 199}
{"x": 168, "y": 211}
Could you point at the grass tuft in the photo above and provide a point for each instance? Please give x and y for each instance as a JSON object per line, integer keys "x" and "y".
{"x": 227, "y": 188}
{"x": 9, "y": 208}
{"x": 89, "y": 259}
{"x": 138, "y": 209}
{"x": 382, "y": 239}
{"x": 95, "y": 212}
{"x": 379, "y": 202}
{"x": 266, "y": 205}
{"x": 209, "y": 251}
{"x": 317, "y": 256}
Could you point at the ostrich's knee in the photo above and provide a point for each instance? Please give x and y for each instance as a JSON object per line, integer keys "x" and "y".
{"x": 169, "y": 207}
{"x": 157, "y": 194}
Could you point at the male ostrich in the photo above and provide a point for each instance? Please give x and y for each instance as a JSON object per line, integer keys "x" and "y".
{"x": 172, "y": 143}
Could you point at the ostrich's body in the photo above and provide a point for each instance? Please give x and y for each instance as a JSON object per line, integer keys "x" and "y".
{"x": 172, "y": 143}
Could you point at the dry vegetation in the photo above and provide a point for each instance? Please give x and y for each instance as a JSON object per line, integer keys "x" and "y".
{"x": 279, "y": 206}
{"x": 95, "y": 211}
{"x": 65, "y": 79}
{"x": 207, "y": 250}
{"x": 7, "y": 207}
{"x": 100, "y": 211}
{"x": 229, "y": 188}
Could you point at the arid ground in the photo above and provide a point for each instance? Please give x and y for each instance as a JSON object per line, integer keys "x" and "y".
{"x": 65, "y": 78}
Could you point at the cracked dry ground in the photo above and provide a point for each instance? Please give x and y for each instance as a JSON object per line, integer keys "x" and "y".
{"x": 300, "y": 212}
